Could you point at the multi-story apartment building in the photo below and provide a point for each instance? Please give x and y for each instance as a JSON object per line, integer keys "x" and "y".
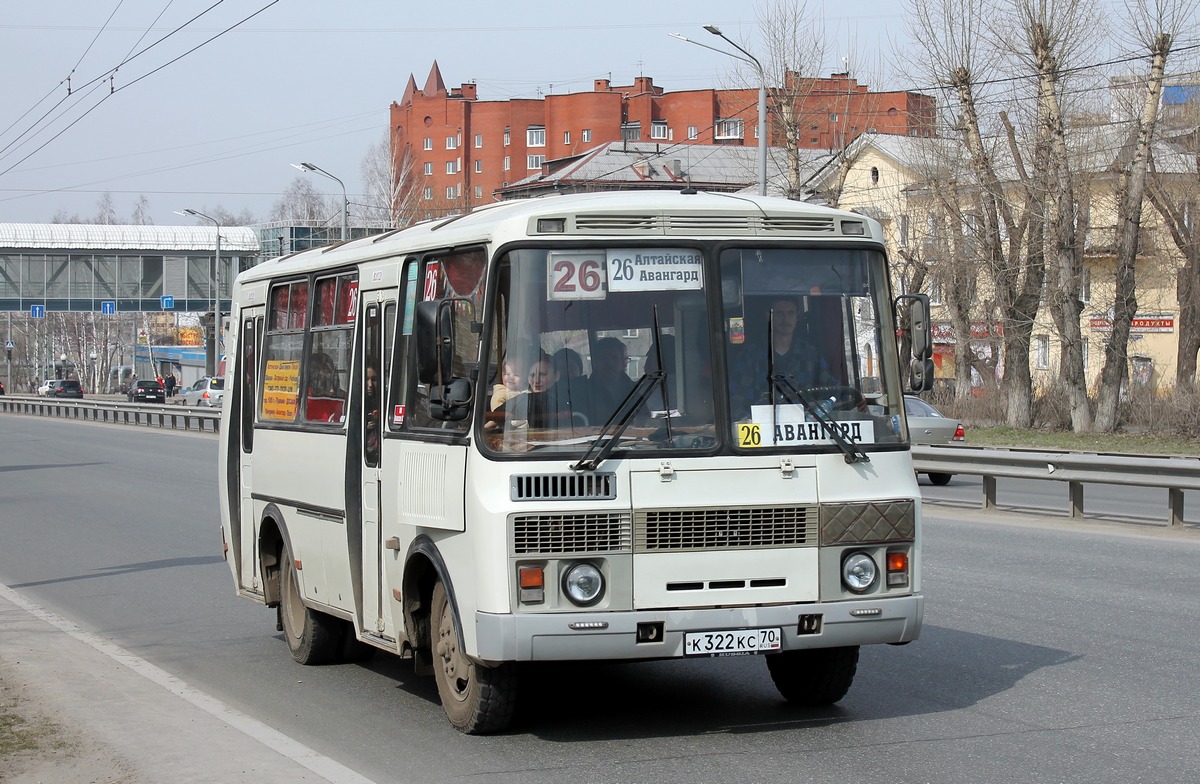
{"x": 456, "y": 150}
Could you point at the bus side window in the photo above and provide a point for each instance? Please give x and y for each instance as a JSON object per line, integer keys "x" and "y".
{"x": 398, "y": 352}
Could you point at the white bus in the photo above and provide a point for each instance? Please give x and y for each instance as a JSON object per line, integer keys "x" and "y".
{"x": 609, "y": 426}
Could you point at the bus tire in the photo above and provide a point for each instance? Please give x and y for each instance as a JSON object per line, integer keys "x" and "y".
{"x": 312, "y": 637}
{"x": 939, "y": 479}
{"x": 820, "y": 676}
{"x": 478, "y": 699}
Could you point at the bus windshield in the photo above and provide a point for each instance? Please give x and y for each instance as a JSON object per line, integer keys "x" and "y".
{"x": 626, "y": 345}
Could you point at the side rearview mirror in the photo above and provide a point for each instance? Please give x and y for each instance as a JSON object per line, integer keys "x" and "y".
{"x": 434, "y": 335}
{"x": 920, "y": 375}
{"x": 919, "y": 328}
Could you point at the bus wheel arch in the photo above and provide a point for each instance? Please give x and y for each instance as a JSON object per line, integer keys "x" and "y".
{"x": 423, "y": 569}
{"x": 272, "y": 541}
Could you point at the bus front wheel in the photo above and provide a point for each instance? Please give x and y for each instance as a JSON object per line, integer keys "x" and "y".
{"x": 478, "y": 699}
{"x": 312, "y": 637}
{"x": 820, "y": 676}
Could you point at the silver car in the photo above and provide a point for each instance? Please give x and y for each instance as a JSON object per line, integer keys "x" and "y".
{"x": 926, "y": 425}
{"x": 208, "y": 391}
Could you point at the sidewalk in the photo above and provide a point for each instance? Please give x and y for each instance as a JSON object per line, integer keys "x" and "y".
{"x": 103, "y": 716}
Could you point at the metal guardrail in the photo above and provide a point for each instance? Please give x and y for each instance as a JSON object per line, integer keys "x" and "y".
{"x": 148, "y": 414}
{"x": 1174, "y": 474}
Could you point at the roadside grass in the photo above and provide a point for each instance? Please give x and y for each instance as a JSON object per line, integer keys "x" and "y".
{"x": 20, "y": 729}
{"x": 1116, "y": 443}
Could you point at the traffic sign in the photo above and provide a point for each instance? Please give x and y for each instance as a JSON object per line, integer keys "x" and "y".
{"x": 108, "y": 308}
{"x": 37, "y": 311}
{"x": 10, "y": 344}
{"x": 167, "y": 302}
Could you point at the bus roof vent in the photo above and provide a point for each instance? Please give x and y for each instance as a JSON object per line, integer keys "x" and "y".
{"x": 798, "y": 224}
{"x": 564, "y": 487}
{"x": 699, "y": 224}
{"x": 618, "y": 224}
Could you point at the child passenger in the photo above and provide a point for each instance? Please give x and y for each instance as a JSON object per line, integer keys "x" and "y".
{"x": 513, "y": 379}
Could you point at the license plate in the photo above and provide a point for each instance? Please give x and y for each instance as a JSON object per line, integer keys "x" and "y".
{"x": 740, "y": 642}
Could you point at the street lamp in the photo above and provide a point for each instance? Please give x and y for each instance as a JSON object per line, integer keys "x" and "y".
{"x": 210, "y": 332}
{"x": 308, "y": 167}
{"x": 762, "y": 96}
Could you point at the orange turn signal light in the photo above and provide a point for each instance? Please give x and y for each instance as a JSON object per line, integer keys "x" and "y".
{"x": 532, "y": 577}
{"x": 897, "y": 562}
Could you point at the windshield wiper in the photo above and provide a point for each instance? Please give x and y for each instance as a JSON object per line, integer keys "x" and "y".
{"x": 779, "y": 383}
{"x": 853, "y": 452}
{"x": 610, "y": 434}
{"x": 624, "y": 414}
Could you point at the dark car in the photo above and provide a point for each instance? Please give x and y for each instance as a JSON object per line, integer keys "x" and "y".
{"x": 66, "y": 387}
{"x": 146, "y": 391}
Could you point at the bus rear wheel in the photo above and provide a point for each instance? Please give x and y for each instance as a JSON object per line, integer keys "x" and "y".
{"x": 821, "y": 676}
{"x": 478, "y": 699}
{"x": 312, "y": 637}
{"x": 939, "y": 478}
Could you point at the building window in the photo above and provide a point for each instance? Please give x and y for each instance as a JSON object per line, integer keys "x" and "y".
{"x": 874, "y": 175}
{"x": 428, "y": 142}
{"x": 1041, "y": 352}
{"x": 587, "y": 134}
{"x": 427, "y": 194}
{"x": 478, "y": 141}
{"x": 833, "y": 117}
{"x": 658, "y": 130}
{"x": 535, "y": 161}
{"x": 451, "y": 167}
{"x": 428, "y": 168}
{"x": 730, "y": 129}
{"x": 451, "y": 191}
{"x": 535, "y": 136}
{"x": 631, "y": 132}
{"x": 566, "y": 137}
{"x": 935, "y": 292}
{"x": 693, "y": 132}
{"x": 904, "y": 230}
{"x": 507, "y": 166}
{"x": 478, "y": 167}
{"x": 451, "y": 142}
{"x": 507, "y": 137}
{"x": 1085, "y": 285}
{"x": 1085, "y": 354}
{"x": 478, "y": 191}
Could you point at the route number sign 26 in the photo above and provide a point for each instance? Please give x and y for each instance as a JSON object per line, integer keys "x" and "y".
{"x": 575, "y": 275}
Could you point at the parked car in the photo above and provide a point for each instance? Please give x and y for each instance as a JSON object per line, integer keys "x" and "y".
{"x": 66, "y": 387}
{"x": 46, "y": 386}
{"x": 146, "y": 390}
{"x": 927, "y": 425}
{"x": 208, "y": 391}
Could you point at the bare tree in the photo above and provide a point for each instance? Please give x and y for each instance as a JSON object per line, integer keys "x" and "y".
{"x": 1156, "y": 24}
{"x": 1052, "y": 32}
{"x": 141, "y": 212}
{"x": 949, "y": 33}
{"x": 301, "y": 202}
{"x": 106, "y": 213}
{"x": 1176, "y": 198}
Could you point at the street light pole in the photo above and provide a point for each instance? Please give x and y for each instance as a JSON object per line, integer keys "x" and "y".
{"x": 211, "y": 331}
{"x": 762, "y": 96}
{"x": 308, "y": 167}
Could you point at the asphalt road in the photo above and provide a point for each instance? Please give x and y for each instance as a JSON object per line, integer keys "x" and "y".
{"x": 1053, "y": 651}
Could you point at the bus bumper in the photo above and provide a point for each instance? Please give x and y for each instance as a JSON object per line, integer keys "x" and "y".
{"x": 614, "y": 635}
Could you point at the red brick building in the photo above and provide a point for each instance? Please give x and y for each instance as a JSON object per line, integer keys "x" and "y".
{"x": 459, "y": 149}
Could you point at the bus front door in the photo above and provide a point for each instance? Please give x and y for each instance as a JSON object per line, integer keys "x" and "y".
{"x": 370, "y": 387}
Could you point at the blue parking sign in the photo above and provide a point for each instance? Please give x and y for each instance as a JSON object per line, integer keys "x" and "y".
{"x": 37, "y": 311}
{"x": 167, "y": 302}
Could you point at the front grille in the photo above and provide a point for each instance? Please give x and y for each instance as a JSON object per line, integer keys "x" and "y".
{"x": 554, "y": 534}
{"x": 744, "y": 528}
{"x": 560, "y": 487}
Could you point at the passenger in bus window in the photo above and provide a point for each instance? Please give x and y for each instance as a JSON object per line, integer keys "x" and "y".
{"x": 608, "y": 384}
{"x": 546, "y": 404}
{"x": 512, "y": 377}
{"x": 572, "y": 383}
{"x": 372, "y": 397}
{"x": 326, "y": 399}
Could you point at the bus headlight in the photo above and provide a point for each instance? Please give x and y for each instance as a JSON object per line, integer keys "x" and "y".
{"x": 583, "y": 584}
{"x": 859, "y": 572}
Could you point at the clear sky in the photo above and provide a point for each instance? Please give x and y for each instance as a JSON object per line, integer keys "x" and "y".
{"x": 309, "y": 80}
